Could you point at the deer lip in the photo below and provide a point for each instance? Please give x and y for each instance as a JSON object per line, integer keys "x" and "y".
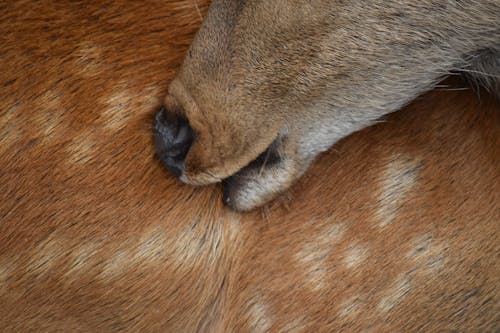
{"x": 267, "y": 158}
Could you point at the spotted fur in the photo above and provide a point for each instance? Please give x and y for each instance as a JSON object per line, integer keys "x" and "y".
{"x": 394, "y": 230}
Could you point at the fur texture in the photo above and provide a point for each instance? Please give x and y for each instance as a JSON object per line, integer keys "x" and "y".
{"x": 394, "y": 230}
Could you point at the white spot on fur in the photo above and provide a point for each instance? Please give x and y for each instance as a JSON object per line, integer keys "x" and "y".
{"x": 351, "y": 307}
{"x": 428, "y": 257}
{"x": 354, "y": 256}
{"x": 83, "y": 258}
{"x": 399, "y": 290}
{"x": 181, "y": 254}
{"x": 119, "y": 110}
{"x": 44, "y": 256}
{"x": 88, "y": 60}
{"x": 115, "y": 266}
{"x": 232, "y": 221}
{"x": 398, "y": 179}
{"x": 259, "y": 316}
{"x": 82, "y": 148}
{"x": 10, "y": 133}
{"x": 150, "y": 94}
{"x": 332, "y": 235}
{"x": 313, "y": 256}
{"x": 123, "y": 105}
{"x": 152, "y": 248}
{"x": 206, "y": 240}
{"x": 50, "y": 117}
{"x": 156, "y": 249}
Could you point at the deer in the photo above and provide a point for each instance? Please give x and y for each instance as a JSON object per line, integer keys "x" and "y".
{"x": 394, "y": 229}
{"x": 267, "y": 86}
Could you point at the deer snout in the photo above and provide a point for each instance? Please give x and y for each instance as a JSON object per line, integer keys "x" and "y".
{"x": 173, "y": 138}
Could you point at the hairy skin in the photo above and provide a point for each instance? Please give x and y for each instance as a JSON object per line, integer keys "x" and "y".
{"x": 289, "y": 78}
{"x": 394, "y": 230}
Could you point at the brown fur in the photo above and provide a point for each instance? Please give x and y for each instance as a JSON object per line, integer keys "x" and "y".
{"x": 396, "y": 229}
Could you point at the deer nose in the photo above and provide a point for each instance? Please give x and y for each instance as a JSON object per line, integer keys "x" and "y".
{"x": 173, "y": 138}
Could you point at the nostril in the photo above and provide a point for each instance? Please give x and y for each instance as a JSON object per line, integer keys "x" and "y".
{"x": 166, "y": 119}
{"x": 160, "y": 115}
{"x": 173, "y": 138}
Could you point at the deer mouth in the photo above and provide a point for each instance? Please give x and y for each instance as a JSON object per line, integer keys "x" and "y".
{"x": 266, "y": 160}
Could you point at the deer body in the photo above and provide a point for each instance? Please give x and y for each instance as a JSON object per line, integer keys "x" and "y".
{"x": 395, "y": 230}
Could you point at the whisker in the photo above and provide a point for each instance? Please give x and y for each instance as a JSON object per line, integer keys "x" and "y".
{"x": 266, "y": 214}
{"x": 265, "y": 162}
{"x": 195, "y": 2}
{"x": 478, "y": 72}
{"x": 453, "y": 89}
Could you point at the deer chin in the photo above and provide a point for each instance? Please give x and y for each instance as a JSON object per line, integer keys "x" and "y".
{"x": 271, "y": 173}
{"x": 244, "y": 184}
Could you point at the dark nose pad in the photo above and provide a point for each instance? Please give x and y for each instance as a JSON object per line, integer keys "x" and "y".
{"x": 173, "y": 138}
